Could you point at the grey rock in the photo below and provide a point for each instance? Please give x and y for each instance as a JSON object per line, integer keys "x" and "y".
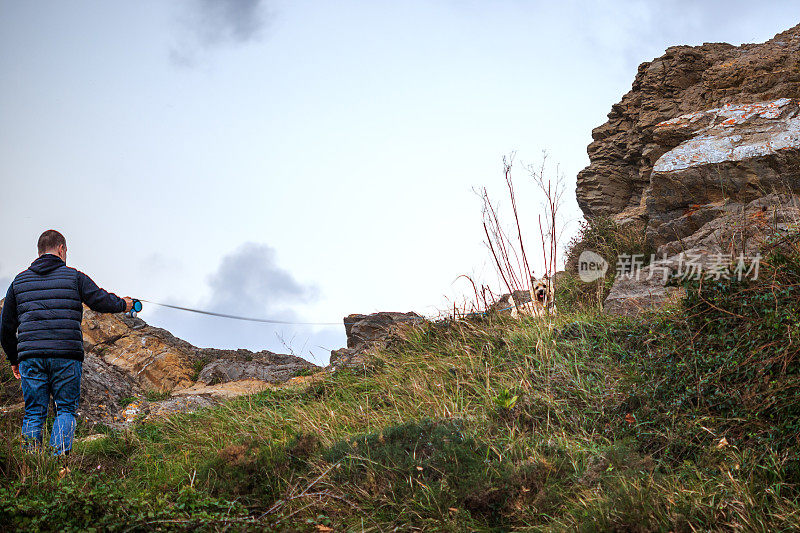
{"x": 179, "y": 404}
{"x": 343, "y": 357}
{"x": 365, "y": 331}
{"x": 505, "y": 304}
{"x": 737, "y": 232}
{"x": 103, "y": 387}
{"x": 734, "y": 155}
{"x": 639, "y": 291}
{"x": 738, "y": 228}
{"x": 230, "y": 365}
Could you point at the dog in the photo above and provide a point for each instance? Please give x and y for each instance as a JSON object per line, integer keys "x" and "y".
{"x": 543, "y": 293}
{"x": 538, "y": 301}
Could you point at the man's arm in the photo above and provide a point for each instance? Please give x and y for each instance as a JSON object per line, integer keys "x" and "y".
{"x": 98, "y": 299}
{"x": 9, "y": 321}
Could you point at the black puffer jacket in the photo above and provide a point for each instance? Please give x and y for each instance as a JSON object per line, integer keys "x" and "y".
{"x": 43, "y": 310}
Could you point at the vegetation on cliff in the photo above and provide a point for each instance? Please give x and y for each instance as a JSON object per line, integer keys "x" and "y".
{"x": 675, "y": 421}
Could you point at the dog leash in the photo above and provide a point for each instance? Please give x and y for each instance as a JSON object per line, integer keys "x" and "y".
{"x": 137, "y": 307}
{"x": 237, "y": 317}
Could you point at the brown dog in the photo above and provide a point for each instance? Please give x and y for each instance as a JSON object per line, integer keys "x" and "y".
{"x": 539, "y": 301}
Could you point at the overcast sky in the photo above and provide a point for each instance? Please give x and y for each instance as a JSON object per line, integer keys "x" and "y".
{"x": 306, "y": 160}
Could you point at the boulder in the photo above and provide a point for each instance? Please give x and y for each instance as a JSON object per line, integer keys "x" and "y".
{"x": 508, "y": 302}
{"x": 640, "y": 290}
{"x": 682, "y": 82}
{"x": 238, "y": 365}
{"x": 365, "y": 331}
{"x": 153, "y": 357}
{"x": 730, "y": 156}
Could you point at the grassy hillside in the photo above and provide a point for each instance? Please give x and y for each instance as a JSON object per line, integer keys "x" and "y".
{"x": 679, "y": 421}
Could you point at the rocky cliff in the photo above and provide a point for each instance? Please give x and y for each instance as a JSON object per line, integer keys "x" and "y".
{"x": 703, "y": 153}
{"x": 686, "y": 79}
{"x": 134, "y": 370}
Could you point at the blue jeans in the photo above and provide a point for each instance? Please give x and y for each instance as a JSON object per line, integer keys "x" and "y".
{"x": 43, "y": 377}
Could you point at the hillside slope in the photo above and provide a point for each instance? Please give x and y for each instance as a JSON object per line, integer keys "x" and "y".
{"x": 680, "y": 418}
{"x": 677, "y": 421}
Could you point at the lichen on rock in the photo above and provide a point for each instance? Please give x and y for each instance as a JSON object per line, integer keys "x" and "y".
{"x": 703, "y": 153}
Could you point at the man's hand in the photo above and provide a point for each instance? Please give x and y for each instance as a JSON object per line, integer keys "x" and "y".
{"x": 128, "y": 303}
{"x": 15, "y": 370}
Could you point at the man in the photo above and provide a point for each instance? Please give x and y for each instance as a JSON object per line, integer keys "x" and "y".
{"x": 40, "y": 331}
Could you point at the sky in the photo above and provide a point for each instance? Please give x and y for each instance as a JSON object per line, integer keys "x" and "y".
{"x": 305, "y": 160}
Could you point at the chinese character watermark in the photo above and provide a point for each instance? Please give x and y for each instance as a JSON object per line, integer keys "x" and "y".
{"x": 686, "y": 266}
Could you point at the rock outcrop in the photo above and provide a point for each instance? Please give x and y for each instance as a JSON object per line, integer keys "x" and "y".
{"x": 133, "y": 370}
{"x": 365, "y": 332}
{"x": 703, "y": 153}
{"x": 686, "y": 79}
{"x": 241, "y": 365}
{"x": 722, "y": 159}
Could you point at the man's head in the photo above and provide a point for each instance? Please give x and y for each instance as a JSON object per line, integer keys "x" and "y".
{"x": 52, "y": 242}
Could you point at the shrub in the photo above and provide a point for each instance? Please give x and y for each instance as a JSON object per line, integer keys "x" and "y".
{"x": 608, "y": 239}
{"x": 253, "y": 471}
{"x": 731, "y": 359}
{"x": 437, "y": 462}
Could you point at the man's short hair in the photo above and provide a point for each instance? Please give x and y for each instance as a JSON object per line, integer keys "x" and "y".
{"x": 50, "y": 240}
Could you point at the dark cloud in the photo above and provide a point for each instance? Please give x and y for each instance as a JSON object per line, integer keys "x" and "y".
{"x": 249, "y": 282}
{"x": 236, "y": 21}
{"x": 211, "y": 23}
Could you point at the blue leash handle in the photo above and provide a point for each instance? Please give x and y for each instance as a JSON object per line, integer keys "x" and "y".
{"x": 135, "y": 308}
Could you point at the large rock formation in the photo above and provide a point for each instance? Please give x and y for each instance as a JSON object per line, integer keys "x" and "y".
{"x": 703, "y": 153}
{"x": 133, "y": 370}
{"x": 720, "y": 160}
{"x": 686, "y": 79}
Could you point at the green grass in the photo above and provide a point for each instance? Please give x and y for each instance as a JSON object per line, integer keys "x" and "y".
{"x": 608, "y": 239}
{"x": 583, "y": 422}
{"x": 126, "y": 401}
{"x": 156, "y": 396}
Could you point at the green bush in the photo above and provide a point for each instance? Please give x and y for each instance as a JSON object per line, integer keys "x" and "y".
{"x": 437, "y": 462}
{"x": 730, "y": 358}
{"x": 608, "y": 239}
{"x": 253, "y": 472}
